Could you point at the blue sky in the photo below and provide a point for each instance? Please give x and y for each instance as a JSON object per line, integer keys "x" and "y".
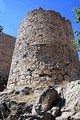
{"x": 13, "y": 11}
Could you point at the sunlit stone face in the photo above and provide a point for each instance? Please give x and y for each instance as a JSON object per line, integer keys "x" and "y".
{"x": 44, "y": 53}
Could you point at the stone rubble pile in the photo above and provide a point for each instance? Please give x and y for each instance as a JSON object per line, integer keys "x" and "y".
{"x": 52, "y": 103}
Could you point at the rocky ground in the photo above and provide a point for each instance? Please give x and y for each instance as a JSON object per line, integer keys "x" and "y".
{"x": 51, "y": 103}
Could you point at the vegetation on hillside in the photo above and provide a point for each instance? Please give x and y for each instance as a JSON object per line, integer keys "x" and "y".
{"x": 77, "y": 33}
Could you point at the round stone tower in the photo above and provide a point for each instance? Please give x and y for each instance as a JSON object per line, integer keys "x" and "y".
{"x": 44, "y": 53}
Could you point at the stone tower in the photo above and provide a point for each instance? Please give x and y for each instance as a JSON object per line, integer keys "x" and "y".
{"x": 44, "y": 53}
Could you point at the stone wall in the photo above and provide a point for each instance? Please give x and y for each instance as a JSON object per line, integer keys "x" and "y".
{"x": 44, "y": 52}
{"x": 6, "y": 50}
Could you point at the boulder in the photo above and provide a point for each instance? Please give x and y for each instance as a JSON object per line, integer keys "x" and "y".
{"x": 72, "y": 95}
{"x": 45, "y": 101}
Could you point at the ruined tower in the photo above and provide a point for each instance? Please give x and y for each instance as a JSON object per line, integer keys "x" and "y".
{"x": 44, "y": 52}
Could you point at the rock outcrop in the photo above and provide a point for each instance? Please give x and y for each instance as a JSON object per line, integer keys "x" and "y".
{"x": 44, "y": 52}
{"x": 7, "y": 43}
{"x": 52, "y": 103}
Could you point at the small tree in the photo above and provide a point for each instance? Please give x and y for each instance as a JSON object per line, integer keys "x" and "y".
{"x": 77, "y": 33}
{"x": 1, "y": 29}
{"x": 77, "y": 15}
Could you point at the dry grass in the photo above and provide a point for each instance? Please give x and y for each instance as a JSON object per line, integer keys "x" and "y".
{"x": 26, "y": 98}
{"x": 64, "y": 83}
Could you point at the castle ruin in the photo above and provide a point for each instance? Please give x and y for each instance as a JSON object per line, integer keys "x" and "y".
{"x": 44, "y": 52}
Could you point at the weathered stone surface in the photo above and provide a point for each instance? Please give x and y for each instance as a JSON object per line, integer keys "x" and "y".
{"x": 65, "y": 116}
{"x": 44, "y": 51}
{"x": 45, "y": 101}
{"x": 17, "y": 106}
{"x": 60, "y": 78}
{"x": 71, "y": 95}
{"x": 76, "y": 116}
{"x": 66, "y": 77}
{"x": 55, "y": 111}
{"x": 6, "y": 51}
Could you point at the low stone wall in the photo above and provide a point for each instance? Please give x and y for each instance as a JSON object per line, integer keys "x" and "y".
{"x": 6, "y": 51}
